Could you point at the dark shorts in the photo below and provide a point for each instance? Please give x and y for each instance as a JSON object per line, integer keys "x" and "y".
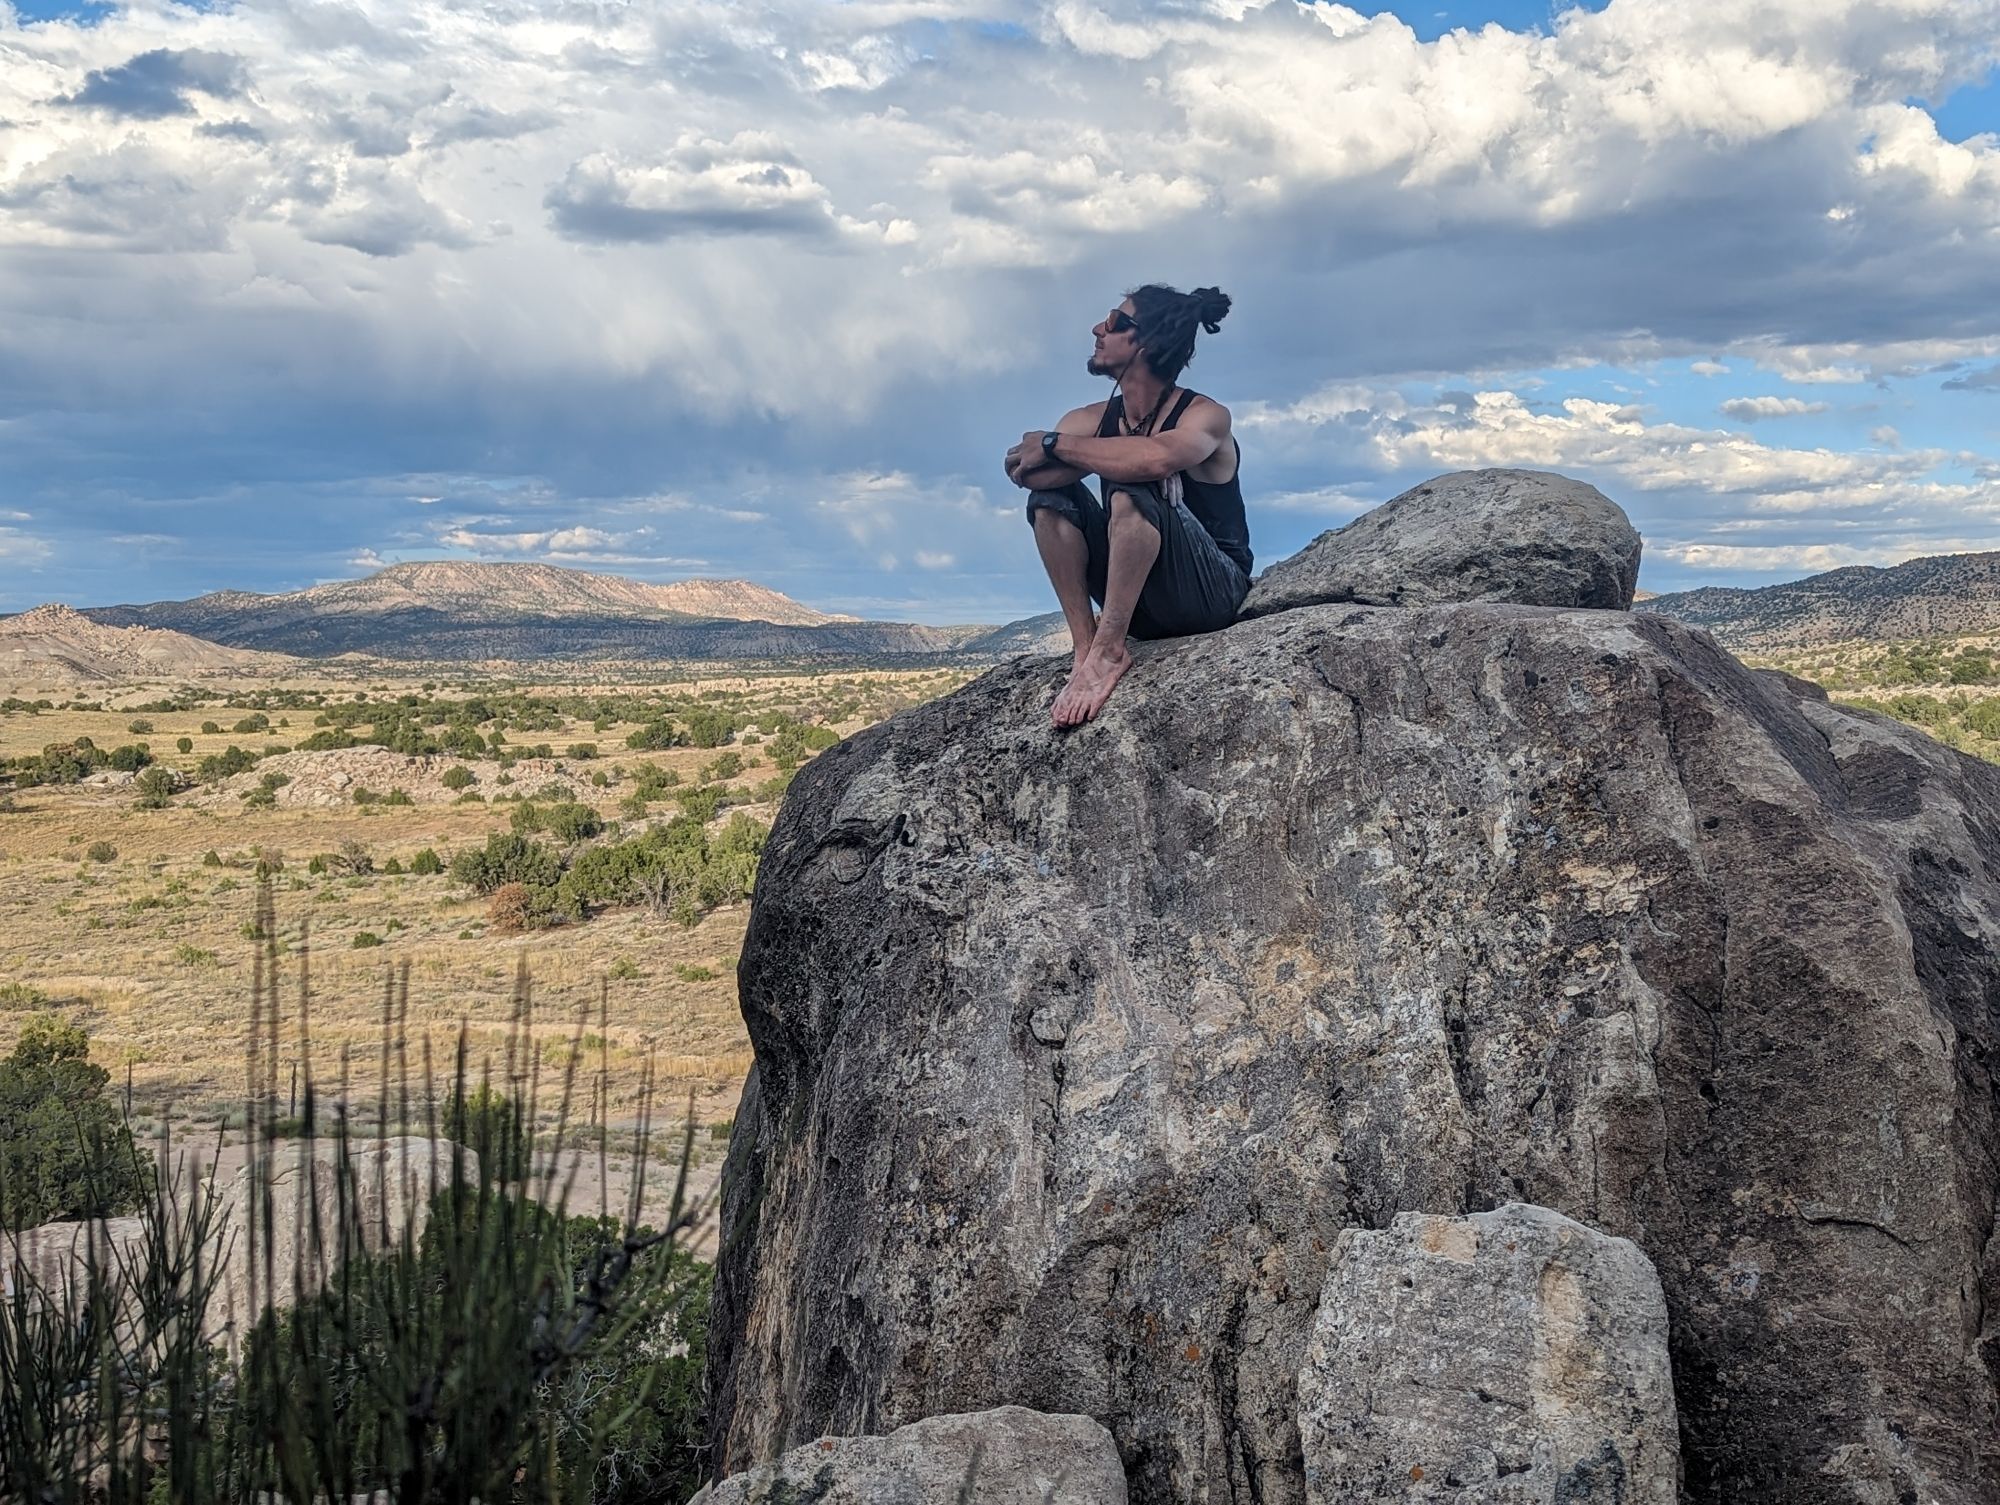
{"x": 1194, "y": 586}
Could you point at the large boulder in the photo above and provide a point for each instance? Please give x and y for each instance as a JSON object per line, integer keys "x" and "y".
{"x": 1007, "y": 1456}
{"x": 376, "y": 1190}
{"x": 1513, "y": 1356}
{"x": 1530, "y": 537}
{"x": 1076, "y": 1053}
{"x": 384, "y": 1192}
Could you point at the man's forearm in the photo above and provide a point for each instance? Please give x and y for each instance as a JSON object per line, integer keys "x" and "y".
{"x": 1044, "y": 476}
{"x": 1121, "y": 458}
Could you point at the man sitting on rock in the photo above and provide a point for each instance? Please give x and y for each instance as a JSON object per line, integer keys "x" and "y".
{"x": 1167, "y": 550}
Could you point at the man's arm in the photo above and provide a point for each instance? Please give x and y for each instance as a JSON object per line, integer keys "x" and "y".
{"x": 1147, "y": 457}
{"x": 1026, "y": 467}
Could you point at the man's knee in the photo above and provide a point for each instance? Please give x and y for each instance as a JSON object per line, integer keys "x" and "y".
{"x": 1048, "y": 512}
{"x": 1126, "y": 511}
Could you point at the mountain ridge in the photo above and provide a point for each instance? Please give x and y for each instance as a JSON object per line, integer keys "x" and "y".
{"x": 56, "y": 641}
{"x": 1935, "y": 595}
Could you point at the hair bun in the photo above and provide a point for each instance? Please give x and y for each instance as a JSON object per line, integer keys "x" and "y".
{"x": 1211, "y": 304}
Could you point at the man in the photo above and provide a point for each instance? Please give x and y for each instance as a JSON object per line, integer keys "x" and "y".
{"x": 1166, "y": 552}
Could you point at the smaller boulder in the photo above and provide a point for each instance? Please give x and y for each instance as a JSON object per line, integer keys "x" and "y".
{"x": 1009, "y": 1456}
{"x": 1524, "y": 537}
{"x": 1512, "y": 1356}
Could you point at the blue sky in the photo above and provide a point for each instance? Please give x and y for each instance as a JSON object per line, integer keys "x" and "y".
{"x": 291, "y": 288}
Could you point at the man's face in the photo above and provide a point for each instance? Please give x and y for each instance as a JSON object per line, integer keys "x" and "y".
{"x": 1115, "y": 348}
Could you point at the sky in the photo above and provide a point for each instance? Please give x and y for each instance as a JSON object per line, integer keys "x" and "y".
{"x": 292, "y": 289}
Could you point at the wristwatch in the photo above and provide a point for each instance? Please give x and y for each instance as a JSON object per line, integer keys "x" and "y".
{"x": 1049, "y": 446}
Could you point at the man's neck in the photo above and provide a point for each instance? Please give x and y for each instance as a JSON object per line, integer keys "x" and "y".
{"x": 1142, "y": 391}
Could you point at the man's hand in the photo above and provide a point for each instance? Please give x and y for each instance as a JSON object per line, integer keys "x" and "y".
{"x": 1025, "y": 458}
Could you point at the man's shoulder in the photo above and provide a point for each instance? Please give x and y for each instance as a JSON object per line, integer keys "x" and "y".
{"x": 1205, "y": 408}
{"x": 1085, "y": 418}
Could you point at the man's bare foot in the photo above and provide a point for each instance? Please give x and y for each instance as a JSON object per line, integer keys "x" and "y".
{"x": 1090, "y": 684}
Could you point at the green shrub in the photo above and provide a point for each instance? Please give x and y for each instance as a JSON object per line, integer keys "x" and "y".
{"x": 17, "y": 996}
{"x": 393, "y": 868}
{"x": 457, "y": 777}
{"x": 209, "y": 728}
{"x": 192, "y": 956}
{"x": 507, "y": 857}
{"x": 183, "y": 744}
{"x": 330, "y": 740}
{"x": 582, "y": 751}
{"x": 623, "y": 969}
{"x": 708, "y": 728}
{"x": 231, "y": 760}
{"x": 211, "y": 858}
{"x": 426, "y": 863}
{"x": 100, "y": 851}
{"x": 63, "y": 1152}
{"x": 653, "y": 735}
{"x": 364, "y": 939}
{"x": 154, "y": 789}
{"x": 140, "y": 728}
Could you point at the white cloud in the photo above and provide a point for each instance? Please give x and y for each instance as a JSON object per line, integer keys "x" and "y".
{"x": 553, "y": 541}
{"x": 711, "y": 244}
{"x": 1752, "y": 409}
{"x": 17, "y": 547}
{"x": 1809, "y": 558}
{"x": 1616, "y": 444}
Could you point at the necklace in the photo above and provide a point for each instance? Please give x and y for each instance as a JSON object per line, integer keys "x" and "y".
{"x": 1145, "y": 425}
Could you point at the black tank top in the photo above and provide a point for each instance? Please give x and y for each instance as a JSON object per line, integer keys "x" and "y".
{"x": 1216, "y": 505}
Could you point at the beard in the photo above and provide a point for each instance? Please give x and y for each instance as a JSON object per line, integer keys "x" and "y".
{"x": 1097, "y": 367}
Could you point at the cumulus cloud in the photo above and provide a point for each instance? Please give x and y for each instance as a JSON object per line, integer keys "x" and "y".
{"x": 554, "y": 540}
{"x": 17, "y": 547}
{"x": 1617, "y": 442}
{"x": 1985, "y": 380}
{"x": 748, "y": 185}
{"x": 159, "y": 83}
{"x": 524, "y": 239}
{"x": 1752, "y": 409}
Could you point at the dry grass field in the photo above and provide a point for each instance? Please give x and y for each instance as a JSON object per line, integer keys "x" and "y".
{"x": 139, "y": 923}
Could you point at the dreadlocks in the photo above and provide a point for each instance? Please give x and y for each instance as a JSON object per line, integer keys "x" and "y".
{"x": 1168, "y": 319}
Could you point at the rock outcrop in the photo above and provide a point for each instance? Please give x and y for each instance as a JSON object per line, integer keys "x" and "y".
{"x": 1076, "y": 1054}
{"x": 1512, "y": 1355}
{"x": 1007, "y": 1456}
{"x": 1529, "y": 537}
{"x": 389, "y": 1185}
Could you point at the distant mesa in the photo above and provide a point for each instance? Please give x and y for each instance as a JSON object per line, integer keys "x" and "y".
{"x": 53, "y": 644}
{"x": 456, "y": 610}
{"x": 1945, "y": 595}
{"x": 1543, "y": 540}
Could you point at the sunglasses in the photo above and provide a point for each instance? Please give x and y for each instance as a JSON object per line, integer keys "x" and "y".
{"x": 1119, "y": 322}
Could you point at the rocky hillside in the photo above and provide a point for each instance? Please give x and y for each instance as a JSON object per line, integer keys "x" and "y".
{"x": 451, "y": 609}
{"x": 1164, "y": 1071}
{"x": 53, "y": 645}
{"x": 1948, "y": 595}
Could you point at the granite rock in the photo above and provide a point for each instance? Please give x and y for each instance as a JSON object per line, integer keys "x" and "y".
{"x": 1512, "y": 1357}
{"x": 1077, "y": 1053}
{"x": 1530, "y": 537}
{"x": 1007, "y": 1456}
